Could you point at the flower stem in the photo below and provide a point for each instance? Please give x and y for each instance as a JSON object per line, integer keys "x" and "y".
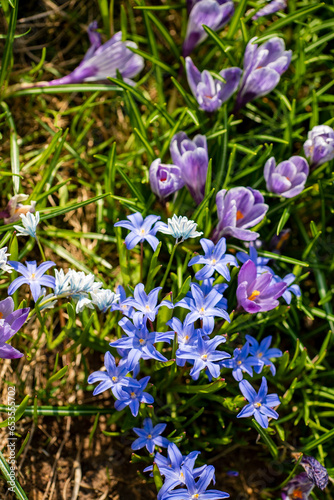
{"x": 41, "y": 249}
{"x": 141, "y": 260}
{"x": 168, "y": 266}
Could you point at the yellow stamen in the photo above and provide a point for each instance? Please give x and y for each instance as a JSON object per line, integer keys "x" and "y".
{"x": 297, "y": 493}
{"x": 33, "y": 276}
{"x": 205, "y": 356}
{"x": 213, "y": 261}
{"x": 114, "y": 379}
{"x": 1, "y": 315}
{"x": 142, "y": 341}
{"x": 133, "y": 395}
{"x": 142, "y": 231}
{"x": 257, "y": 405}
{"x": 253, "y": 295}
{"x": 240, "y": 215}
{"x": 149, "y": 436}
{"x": 202, "y": 310}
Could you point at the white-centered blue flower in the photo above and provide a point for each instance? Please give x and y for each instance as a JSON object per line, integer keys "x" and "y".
{"x": 180, "y": 227}
{"x": 30, "y": 222}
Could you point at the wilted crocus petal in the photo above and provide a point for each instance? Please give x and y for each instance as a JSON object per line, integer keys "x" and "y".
{"x": 15, "y": 209}
{"x": 319, "y": 146}
{"x": 288, "y": 177}
{"x": 165, "y": 179}
{"x": 211, "y": 93}
{"x": 192, "y": 158}
{"x": 299, "y": 488}
{"x": 263, "y": 67}
{"x": 238, "y": 209}
{"x": 212, "y": 13}
{"x": 270, "y": 8}
{"x": 257, "y": 293}
{"x": 103, "y": 61}
{"x": 316, "y": 472}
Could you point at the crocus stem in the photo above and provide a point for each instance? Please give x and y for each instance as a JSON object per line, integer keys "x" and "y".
{"x": 141, "y": 261}
{"x": 41, "y": 249}
{"x": 169, "y": 266}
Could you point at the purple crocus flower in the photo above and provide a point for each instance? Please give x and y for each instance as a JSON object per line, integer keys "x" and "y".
{"x": 140, "y": 230}
{"x": 192, "y": 158}
{"x": 260, "y": 404}
{"x": 140, "y": 341}
{"x": 288, "y": 177}
{"x": 263, "y": 353}
{"x": 32, "y": 276}
{"x": 15, "y": 209}
{"x": 260, "y": 262}
{"x": 103, "y": 61}
{"x": 203, "y": 307}
{"x": 239, "y": 209}
{"x": 165, "y": 179}
{"x": 195, "y": 489}
{"x": 299, "y": 488}
{"x": 319, "y": 146}
{"x": 149, "y": 436}
{"x": 263, "y": 67}
{"x": 293, "y": 289}
{"x": 212, "y": 13}
{"x": 10, "y": 322}
{"x": 257, "y": 293}
{"x": 209, "y": 92}
{"x": 133, "y": 396}
{"x": 115, "y": 378}
{"x": 146, "y": 305}
{"x": 241, "y": 362}
{"x": 214, "y": 258}
{"x": 270, "y": 8}
{"x": 316, "y": 472}
{"x": 205, "y": 355}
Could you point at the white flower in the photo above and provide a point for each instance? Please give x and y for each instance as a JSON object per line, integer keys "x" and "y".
{"x": 3, "y": 261}
{"x": 78, "y": 285}
{"x": 180, "y": 227}
{"x": 30, "y": 223}
{"x": 104, "y": 299}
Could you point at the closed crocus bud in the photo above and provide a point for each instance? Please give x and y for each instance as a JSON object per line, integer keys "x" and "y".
{"x": 288, "y": 177}
{"x": 319, "y": 146}
{"x": 165, "y": 179}
{"x": 103, "y": 61}
{"x": 192, "y": 158}
{"x": 263, "y": 67}
{"x": 209, "y": 92}
{"x": 270, "y": 8}
{"x": 239, "y": 209}
{"x": 212, "y": 13}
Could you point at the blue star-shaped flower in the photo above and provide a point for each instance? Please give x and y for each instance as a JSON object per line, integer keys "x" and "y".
{"x": 203, "y": 307}
{"x": 214, "y": 258}
{"x": 140, "y": 230}
{"x": 205, "y": 355}
{"x": 260, "y": 404}
{"x": 140, "y": 341}
{"x": 146, "y": 305}
{"x": 115, "y": 378}
{"x": 32, "y": 276}
{"x": 133, "y": 396}
{"x": 149, "y": 436}
{"x": 263, "y": 353}
{"x": 241, "y": 362}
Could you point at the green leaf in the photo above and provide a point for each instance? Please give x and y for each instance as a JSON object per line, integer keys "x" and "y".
{"x": 5, "y": 471}
{"x": 267, "y": 439}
